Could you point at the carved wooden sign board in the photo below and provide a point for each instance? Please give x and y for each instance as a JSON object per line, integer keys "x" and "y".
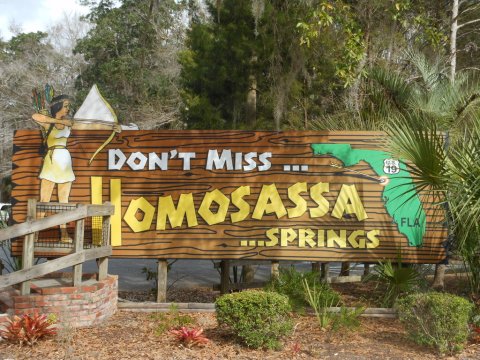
{"x": 320, "y": 196}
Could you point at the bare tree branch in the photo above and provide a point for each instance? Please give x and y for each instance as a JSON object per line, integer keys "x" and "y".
{"x": 468, "y": 23}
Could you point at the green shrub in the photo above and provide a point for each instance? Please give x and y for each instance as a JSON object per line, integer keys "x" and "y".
{"x": 290, "y": 283}
{"x": 258, "y": 318}
{"x": 436, "y": 319}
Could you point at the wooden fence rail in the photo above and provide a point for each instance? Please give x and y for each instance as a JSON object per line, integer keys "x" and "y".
{"x": 75, "y": 212}
{"x": 54, "y": 265}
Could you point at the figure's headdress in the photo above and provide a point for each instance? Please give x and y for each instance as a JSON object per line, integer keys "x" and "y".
{"x": 42, "y": 100}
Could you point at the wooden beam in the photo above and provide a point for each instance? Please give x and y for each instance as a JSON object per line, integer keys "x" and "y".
{"x": 344, "y": 279}
{"x": 100, "y": 210}
{"x": 54, "y": 265}
{"x": 162, "y": 280}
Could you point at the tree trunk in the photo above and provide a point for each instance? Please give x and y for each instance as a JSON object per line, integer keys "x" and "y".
{"x": 439, "y": 279}
{"x": 453, "y": 41}
{"x": 252, "y": 101}
{"x": 391, "y": 43}
{"x": 251, "y": 111}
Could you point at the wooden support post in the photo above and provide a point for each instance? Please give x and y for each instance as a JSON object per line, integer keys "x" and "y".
{"x": 275, "y": 269}
{"x": 28, "y": 246}
{"x": 366, "y": 269}
{"x": 102, "y": 268}
{"x": 316, "y": 269}
{"x": 103, "y": 262}
{"x": 248, "y": 273}
{"x": 224, "y": 276}
{"x": 78, "y": 246}
{"x": 345, "y": 270}
{"x": 162, "y": 269}
{"x": 106, "y": 229}
{"x": 324, "y": 273}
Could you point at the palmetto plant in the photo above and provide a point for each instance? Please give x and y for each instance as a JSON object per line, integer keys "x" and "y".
{"x": 397, "y": 279}
{"x": 417, "y": 85}
{"x": 439, "y": 135}
{"x": 433, "y": 123}
{"x": 463, "y": 195}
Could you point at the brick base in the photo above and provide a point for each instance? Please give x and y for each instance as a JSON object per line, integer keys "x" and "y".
{"x": 81, "y": 306}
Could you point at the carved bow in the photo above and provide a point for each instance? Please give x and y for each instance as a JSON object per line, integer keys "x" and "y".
{"x": 110, "y": 138}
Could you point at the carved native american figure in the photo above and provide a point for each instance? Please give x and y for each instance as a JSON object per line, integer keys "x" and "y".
{"x": 56, "y": 123}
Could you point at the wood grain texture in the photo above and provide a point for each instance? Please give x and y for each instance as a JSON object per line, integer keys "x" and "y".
{"x": 222, "y": 241}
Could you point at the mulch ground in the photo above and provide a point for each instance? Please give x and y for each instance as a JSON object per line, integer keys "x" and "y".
{"x": 129, "y": 335}
{"x": 132, "y": 335}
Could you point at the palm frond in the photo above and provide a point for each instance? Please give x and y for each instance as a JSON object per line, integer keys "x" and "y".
{"x": 464, "y": 184}
{"x": 429, "y": 74}
{"x": 390, "y": 91}
{"x": 415, "y": 139}
{"x": 348, "y": 121}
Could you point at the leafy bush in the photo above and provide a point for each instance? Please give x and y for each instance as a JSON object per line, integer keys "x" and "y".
{"x": 290, "y": 283}
{"x": 320, "y": 297}
{"x": 28, "y": 329}
{"x": 258, "y": 318}
{"x": 190, "y": 337}
{"x": 436, "y": 319}
{"x": 398, "y": 280}
{"x": 171, "y": 320}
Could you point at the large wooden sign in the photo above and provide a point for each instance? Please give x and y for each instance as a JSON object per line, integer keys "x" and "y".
{"x": 321, "y": 196}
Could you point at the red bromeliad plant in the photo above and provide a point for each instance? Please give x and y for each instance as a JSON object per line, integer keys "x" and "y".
{"x": 190, "y": 337}
{"x": 28, "y": 329}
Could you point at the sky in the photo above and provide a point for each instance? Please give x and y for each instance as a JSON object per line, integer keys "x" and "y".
{"x": 35, "y": 15}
